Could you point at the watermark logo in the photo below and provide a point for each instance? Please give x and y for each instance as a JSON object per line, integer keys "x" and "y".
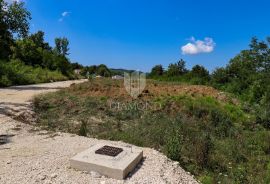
{"x": 134, "y": 83}
{"x": 135, "y": 105}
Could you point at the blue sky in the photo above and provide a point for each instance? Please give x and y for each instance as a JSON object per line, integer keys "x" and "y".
{"x": 137, "y": 34}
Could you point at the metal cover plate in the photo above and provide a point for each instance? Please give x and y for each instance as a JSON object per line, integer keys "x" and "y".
{"x": 109, "y": 151}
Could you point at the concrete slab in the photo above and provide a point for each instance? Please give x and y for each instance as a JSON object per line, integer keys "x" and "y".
{"x": 116, "y": 167}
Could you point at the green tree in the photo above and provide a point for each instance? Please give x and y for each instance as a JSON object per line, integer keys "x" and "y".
{"x": 14, "y": 19}
{"x": 76, "y": 66}
{"x": 198, "y": 75}
{"x": 103, "y": 71}
{"x": 33, "y": 50}
{"x": 49, "y": 59}
{"x": 246, "y": 72}
{"x": 38, "y": 39}
{"x": 247, "y": 75}
{"x": 157, "y": 70}
{"x": 88, "y": 70}
{"x": 92, "y": 69}
{"x": 199, "y": 71}
{"x": 61, "y": 46}
{"x": 64, "y": 65}
{"x": 219, "y": 77}
{"x": 177, "y": 69}
{"x": 27, "y": 51}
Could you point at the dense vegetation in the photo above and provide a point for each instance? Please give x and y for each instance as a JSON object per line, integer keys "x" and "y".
{"x": 26, "y": 58}
{"x": 16, "y": 72}
{"x": 210, "y": 133}
{"x": 247, "y": 76}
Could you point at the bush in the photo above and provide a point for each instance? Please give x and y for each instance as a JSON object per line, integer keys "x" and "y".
{"x": 16, "y": 72}
{"x": 173, "y": 147}
{"x": 83, "y": 129}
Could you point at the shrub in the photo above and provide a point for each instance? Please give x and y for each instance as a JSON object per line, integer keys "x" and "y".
{"x": 16, "y": 72}
{"x": 206, "y": 179}
{"x": 173, "y": 147}
{"x": 83, "y": 129}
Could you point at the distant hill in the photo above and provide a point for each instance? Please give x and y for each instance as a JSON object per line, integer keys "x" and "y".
{"x": 120, "y": 71}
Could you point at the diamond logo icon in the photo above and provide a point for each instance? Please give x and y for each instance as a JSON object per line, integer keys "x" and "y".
{"x": 134, "y": 83}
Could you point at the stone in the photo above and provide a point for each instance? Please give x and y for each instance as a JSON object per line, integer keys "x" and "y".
{"x": 48, "y": 182}
{"x": 117, "y": 167}
{"x": 42, "y": 177}
{"x": 175, "y": 163}
{"x": 9, "y": 162}
{"x": 54, "y": 175}
{"x": 95, "y": 174}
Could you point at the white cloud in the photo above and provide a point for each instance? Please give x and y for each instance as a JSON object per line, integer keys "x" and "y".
{"x": 198, "y": 46}
{"x": 63, "y": 15}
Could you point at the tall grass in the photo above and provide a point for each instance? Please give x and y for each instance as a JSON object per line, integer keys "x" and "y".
{"x": 16, "y": 72}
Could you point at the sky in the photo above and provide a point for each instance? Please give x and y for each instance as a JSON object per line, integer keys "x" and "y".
{"x": 138, "y": 34}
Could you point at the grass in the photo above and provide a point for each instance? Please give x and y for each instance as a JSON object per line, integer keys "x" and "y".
{"x": 16, "y": 72}
{"x": 212, "y": 137}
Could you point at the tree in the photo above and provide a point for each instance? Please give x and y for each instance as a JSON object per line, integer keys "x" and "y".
{"x": 103, "y": 71}
{"x": 219, "y": 77}
{"x": 247, "y": 71}
{"x": 27, "y": 51}
{"x": 199, "y": 71}
{"x": 198, "y": 75}
{"x": 89, "y": 70}
{"x": 182, "y": 67}
{"x": 177, "y": 69}
{"x": 92, "y": 69}
{"x": 49, "y": 60}
{"x": 32, "y": 49}
{"x": 38, "y": 39}
{"x": 61, "y": 46}
{"x": 17, "y": 45}
{"x": 76, "y": 66}
{"x": 17, "y": 19}
{"x": 157, "y": 70}
{"x": 14, "y": 19}
{"x": 63, "y": 65}
{"x": 173, "y": 70}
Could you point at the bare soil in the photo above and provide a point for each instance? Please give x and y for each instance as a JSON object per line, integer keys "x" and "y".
{"x": 116, "y": 89}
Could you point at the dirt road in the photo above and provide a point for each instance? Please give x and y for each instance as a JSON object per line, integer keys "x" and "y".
{"x": 17, "y": 98}
{"x": 30, "y": 155}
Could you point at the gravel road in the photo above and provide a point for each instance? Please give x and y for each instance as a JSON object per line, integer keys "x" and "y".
{"x": 32, "y": 155}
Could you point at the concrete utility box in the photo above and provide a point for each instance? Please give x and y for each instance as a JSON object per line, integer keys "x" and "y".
{"x": 109, "y": 160}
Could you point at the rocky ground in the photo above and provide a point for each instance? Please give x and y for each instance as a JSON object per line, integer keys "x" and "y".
{"x": 31, "y": 155}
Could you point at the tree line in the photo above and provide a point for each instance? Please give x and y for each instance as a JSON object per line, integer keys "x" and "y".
{"x": 178, "y": 72}
{"x": 30, "y": 53}
{"x": 247, "y": 75}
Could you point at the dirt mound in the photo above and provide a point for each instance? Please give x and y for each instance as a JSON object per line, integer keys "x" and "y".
{"x": 115, "y": 89}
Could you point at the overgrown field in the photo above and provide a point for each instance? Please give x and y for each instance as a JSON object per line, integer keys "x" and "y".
{"x": 210, "y": 133}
